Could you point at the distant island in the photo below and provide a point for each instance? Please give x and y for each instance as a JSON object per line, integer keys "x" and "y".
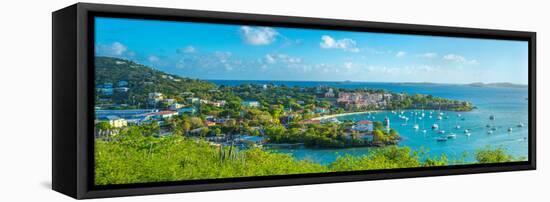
{"x": 498, "y": 85}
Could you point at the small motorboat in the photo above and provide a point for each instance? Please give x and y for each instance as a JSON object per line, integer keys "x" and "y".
{"x": 435, "y": 126}
{"x": 441, "y": 132}
{"x": 520, "y": 125}
{"x": 439, "y": 117}
{"x": 466, "y": 131}
{"x": 457, "y": 126}
{"x": 492, "y": 117}
{"x": 416, "y": 126}
{"x": 510, "y": 130}
{"x": 468, "y": 134}
{"x": 441, "y": 139}
{"x": 451, "y": 136}
{"x": 490, "y": 132}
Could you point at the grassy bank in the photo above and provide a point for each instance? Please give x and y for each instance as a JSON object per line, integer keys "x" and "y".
{"x": 134, "y": 158}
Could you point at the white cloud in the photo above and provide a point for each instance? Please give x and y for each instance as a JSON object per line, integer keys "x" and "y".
{"x": 348, "y": 65}
{"x": 459, "y": 59}
{"x": 188, "y": 49}
{"x": 153, "y": 59}
{"x": 282, "y": 58}
{"x": 327, "y": 42}
{"x": 113, "y": 49}
{"x": 224, "y": 59}
{"x": 429, "y": 55}
{"x": 270, "y": 59}
{"x": 400, "y": 54}
{"x": 118, "y": 48}
{"x": 258, "y": 35}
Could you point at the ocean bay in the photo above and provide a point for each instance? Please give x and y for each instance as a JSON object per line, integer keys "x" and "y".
{"x": 508, "y": 105}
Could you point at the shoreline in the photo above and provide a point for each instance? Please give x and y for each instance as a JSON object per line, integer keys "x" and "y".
{"x": 342, "y": 114}
{"x": 371, "y": 111}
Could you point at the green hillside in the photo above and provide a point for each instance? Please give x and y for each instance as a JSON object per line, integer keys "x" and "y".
{"x": 141, "y": 80}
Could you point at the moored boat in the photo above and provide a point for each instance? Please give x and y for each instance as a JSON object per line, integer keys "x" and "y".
{"x": 441, "y": 139}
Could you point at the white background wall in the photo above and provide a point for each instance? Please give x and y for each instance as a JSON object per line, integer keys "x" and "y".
{"x": 25, "y": 89}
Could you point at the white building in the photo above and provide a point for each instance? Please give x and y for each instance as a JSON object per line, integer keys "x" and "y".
{"x": 176, "y": 106}
{"x": 117, "y": 122}
{"x": 364, "y": 126}
{"x": 251, "y": 103}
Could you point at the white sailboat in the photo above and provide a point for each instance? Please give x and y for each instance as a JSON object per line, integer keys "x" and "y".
{"x": 451, "y": 136}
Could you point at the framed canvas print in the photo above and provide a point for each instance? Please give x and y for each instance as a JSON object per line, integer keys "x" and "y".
{"x": 154, "y": 100}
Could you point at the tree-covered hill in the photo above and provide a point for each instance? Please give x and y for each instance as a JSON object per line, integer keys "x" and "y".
{"x": 139, "y": 80}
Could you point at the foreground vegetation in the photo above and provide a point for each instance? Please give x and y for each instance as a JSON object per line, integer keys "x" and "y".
{"x": 132, "y": 157}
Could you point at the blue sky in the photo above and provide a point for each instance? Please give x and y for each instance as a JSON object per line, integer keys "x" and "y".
{"x": 217, "y": 51}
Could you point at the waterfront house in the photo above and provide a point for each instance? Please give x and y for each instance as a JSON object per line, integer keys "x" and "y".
{"x": 159, "y": 115}
{"x": 169, "y": 101}
{"x": 192, "y": 100}
{"x": 155, "y": 97}
{"x": 250, "y": 103}
{"x": 175, "y": 106}
{"x": 363, "y": 126}
{"x": 166, "y": 114}
{"x": 116, "y": 122}
{"x": 220, "y": 103}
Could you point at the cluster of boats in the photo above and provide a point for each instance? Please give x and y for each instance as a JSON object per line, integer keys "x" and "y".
{"x": 443, "y": 135}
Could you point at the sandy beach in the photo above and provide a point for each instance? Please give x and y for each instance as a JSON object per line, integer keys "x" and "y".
{"x": 342, "y": 114}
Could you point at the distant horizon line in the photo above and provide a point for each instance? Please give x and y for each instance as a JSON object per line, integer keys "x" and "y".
{"x": 395, "y": 82}
{"x": 350, "y": 81}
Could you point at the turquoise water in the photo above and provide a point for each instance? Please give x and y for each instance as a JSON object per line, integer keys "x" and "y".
{"x": 508, "y": 105}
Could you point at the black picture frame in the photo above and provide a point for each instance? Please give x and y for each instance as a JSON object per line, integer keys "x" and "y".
{"x": 73, "y": 88}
